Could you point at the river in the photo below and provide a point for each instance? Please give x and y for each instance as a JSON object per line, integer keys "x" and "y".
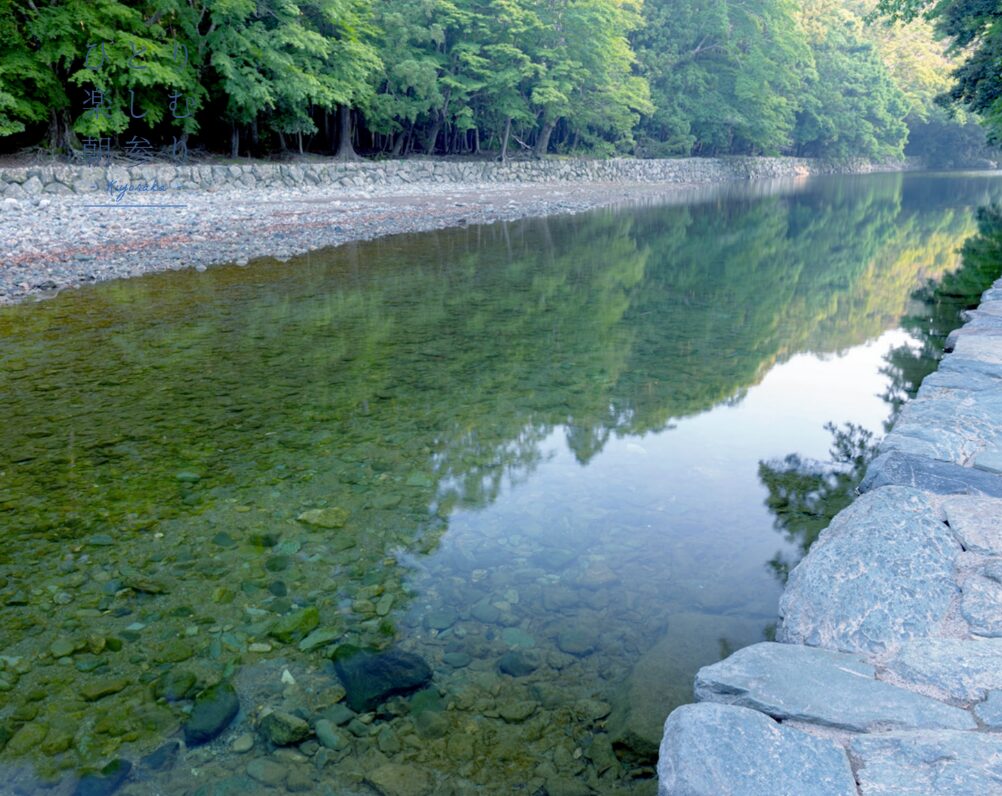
{"x": 552, "y": 466}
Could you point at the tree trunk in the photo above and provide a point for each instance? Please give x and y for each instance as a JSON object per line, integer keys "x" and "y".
{"x": 543, "y": 142}
{"x": 476, "y": 140}
{"x": 504, "y": 139}
{"x": 61, "y": 134}
{"x": 432, "y": 137}
{"x": 345, "y": 150}
{"x": 398, "y": 143}
{"x": 281, "y": 141}
{"x": 234, "y": 141}
{"x": 255, "y": 138}
{"x": 300, "y": 136}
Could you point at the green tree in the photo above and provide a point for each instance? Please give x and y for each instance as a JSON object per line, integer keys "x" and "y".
{"x": 974, "y": 33}
{"x": 725, "y": 77}
{"x": 851, "y": 106}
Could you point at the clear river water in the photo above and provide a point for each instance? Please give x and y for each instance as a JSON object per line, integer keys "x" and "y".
{"x": 542, "y": 471}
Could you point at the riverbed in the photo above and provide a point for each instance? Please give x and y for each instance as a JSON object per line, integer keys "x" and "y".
{"x": 550, "y": 465}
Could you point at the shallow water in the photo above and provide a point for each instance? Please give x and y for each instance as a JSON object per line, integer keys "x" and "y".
{"x": 536, "y": 448}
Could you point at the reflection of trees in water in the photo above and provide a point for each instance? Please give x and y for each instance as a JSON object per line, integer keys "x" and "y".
{"x": 805, "y": 495}
{"x": 440, "y": 361}
{"x": 939, "y": 305}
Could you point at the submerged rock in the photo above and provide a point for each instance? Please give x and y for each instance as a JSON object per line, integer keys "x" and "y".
{"x": 710, "y": 750}
{"x": 576, "y": 641}
{"x": 318, "y": 638}
{"x": 102, "y": 688}
{"x": 283, "y": 729}
{"x": 163, "y": 757}
{"x": 104, "y": 782}
{"x": 328, "y": 736}
{"x": 832, "y": 689}
{"x": 396, "y": 779}
{"x": 662, "y": 679}
{"x": 26, "y": 739}
{"x": 441, "y": 618}
{"x": 333, "y": 517}
{"x": 175, "y": 685}
{"x": 371, "y": 677}
{"x": 265, "y": 771}
{"x": 295, "y": 626}
{"x": 212, "y": 713}
{"x": 516, "y": 710}
{"x": 518, "y": 663}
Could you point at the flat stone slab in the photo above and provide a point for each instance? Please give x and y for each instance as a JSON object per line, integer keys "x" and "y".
{"x": 953, "y": 426}
{"x": 976, "y": 522}
{"x": 930, "y": 763}
{"x": 989, "y": 460}
{"x": 981, "y": 605}
{"x": 881, "y": 573}
{"x": 970, "y": 380}
{"x": 963, "y": 669}
{"x": 824, "y": 687}
{"x": 710, "y": 750}
{"x": 983, "y": 348}
{"x": 898, "y": 468}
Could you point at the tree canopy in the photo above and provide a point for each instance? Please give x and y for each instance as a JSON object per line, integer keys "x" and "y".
{"x": 606, "y": 77}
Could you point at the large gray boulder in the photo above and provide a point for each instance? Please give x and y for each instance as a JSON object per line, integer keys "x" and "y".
{"x": 944, "y": 763}
{"x": 962, "y": 669}
{"x": 832, "y": 689}
{"x": 881, "y": 573}
{"x": 721, "y": 750}
{"x": 898, "y": 468}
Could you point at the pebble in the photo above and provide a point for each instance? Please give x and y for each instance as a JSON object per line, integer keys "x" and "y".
{"x": 267, "y": 772}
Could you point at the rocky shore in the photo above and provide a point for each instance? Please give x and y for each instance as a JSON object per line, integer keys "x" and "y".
{"x": 65, "y": 226}
{"x": 888, "y": 674}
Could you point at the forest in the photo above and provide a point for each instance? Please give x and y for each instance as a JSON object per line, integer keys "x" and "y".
{"x": 503, "y": 78}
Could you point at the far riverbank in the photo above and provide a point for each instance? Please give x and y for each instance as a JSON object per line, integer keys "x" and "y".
{"x": 65, "y": 226}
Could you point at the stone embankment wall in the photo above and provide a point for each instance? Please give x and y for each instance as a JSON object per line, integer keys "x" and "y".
{"x": 26, "y": 182}
{"x": 888, "y": 677}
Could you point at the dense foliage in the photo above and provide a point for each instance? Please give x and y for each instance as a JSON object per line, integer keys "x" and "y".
{"x": 466, "y": 76}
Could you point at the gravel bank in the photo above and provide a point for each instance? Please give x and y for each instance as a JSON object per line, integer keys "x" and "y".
{"x": 64, "y": 226}
{"x": 50, "y": 243}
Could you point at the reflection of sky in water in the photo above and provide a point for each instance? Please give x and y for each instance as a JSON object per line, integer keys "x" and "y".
{"x": 691, "y": 493}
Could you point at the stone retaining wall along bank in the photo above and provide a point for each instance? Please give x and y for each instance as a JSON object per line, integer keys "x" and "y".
{"x": 888, "y": 679}
{"x": 26, "y": 182}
